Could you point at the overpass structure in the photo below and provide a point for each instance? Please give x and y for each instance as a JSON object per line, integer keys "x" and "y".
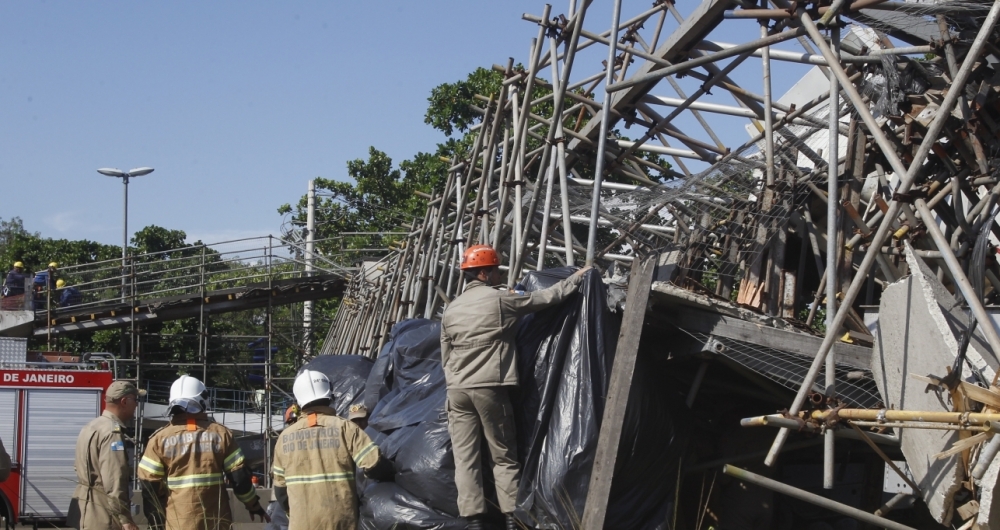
{"x": 192, "y": 281}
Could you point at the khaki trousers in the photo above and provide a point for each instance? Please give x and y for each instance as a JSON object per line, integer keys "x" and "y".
{"x": 488, "y": 411}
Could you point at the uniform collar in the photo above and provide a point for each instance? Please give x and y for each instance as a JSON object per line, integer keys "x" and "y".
{"x": 111, "y": 416}
{"x": 477, "y": 283}
{"x": 180, "y": 419}
{"x": 319, "y": 409}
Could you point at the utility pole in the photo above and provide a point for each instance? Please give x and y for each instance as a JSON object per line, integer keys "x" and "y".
{"x": 307, "y": 306}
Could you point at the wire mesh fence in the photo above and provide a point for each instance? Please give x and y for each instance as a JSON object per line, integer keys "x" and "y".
{"x": 855, "y": 386}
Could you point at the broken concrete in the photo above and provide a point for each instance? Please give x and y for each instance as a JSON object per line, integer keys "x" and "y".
{"x": 916, "y": 336}
{"x": 16, "y": 323}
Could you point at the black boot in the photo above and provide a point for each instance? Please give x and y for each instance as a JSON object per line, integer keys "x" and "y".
{"x": 476, "y": 522}
{"x": 510, "y": 522}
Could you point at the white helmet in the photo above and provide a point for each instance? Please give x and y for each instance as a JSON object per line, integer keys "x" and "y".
{"x": 310, "y": 386}
{"x": 189, "y": 394}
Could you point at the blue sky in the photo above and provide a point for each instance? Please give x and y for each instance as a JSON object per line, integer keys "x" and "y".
{"x": 236, "y": 104}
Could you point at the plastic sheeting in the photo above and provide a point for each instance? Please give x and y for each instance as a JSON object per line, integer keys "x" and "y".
{"x": 406, "y": 395}
{"x": 348, "y": 375}
{"x": 565, "y": 355}
{"x": 564, "y": 358}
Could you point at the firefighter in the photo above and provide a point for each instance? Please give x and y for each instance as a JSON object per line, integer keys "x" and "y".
{"x": 478, "y": 355}
{"x": 103, "y": 464}
{"x": 4, "y": 463}
{"x": 184, "y": 469}
{"x": 314, "y": 461}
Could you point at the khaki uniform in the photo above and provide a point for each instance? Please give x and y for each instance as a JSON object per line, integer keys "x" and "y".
{"x": 4, "y": 463}
{"x": 315, "y": 459}
{"x": 103, "y": 474}
{"x": 478, "y": 353}
{"x": 185, "y": 463}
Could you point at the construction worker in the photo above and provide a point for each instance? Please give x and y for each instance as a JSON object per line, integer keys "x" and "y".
{"x": 478, "y": 355}
{"x": 185, "y": 465}
{"x": 104, "y": 466}
{"x": 314, "y": 461}
{"x": 4, "y": 463}
{"x": 13, "y": 284}
{"x": 68, "y": 296}
{"x": 45, "y": 280}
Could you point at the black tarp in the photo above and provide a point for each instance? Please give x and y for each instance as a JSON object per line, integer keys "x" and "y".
{"x": 348, "y": 375}
{"x": 406, "y": 394}
{"x": 565, "y": 354}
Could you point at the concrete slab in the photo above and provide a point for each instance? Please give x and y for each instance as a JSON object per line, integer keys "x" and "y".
{"x": 16, "y": 323}
{"x": 916, "y": 335}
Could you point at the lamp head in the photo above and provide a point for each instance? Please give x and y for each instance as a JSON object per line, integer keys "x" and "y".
{"x": 111, "y": 172}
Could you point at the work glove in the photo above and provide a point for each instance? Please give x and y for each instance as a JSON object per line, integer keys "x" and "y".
{"x": 256, "y": 509}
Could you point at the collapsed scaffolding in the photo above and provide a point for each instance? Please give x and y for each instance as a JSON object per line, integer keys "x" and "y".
{"x": 906, "y": 113}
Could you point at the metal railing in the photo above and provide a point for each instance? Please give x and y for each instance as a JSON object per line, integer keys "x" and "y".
{"x": 187, "y": 271}
{"x": 223, "y": 399}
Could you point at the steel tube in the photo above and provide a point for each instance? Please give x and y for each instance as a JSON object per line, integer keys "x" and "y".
{"x": 833, "y": 170}
{"x": 782, "y": 13}
{"x": 561, "y": 164}
{"x": 708, "y": 58}
{"x": 819, "y": 60}
{"x": 986, "y": 456}
{"x": 602, "y": 141}
{"x": 812, "y": 498}
{"x": 672, "y": 151}
{"x": 888, "y": 149}
{"x": 543, "y": 236}
{"x": 890, "y": 415}
{"x": 768, "y": 117}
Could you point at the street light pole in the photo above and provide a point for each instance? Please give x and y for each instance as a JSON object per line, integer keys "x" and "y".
{"x": 125, "y": 176}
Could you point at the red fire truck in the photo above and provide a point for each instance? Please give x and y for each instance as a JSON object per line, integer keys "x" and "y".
{"x": 41, "y": 414}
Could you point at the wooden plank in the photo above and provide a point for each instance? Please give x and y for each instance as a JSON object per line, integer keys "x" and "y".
{"x": 633, "y": 317}
{"x": 768, "y": 337}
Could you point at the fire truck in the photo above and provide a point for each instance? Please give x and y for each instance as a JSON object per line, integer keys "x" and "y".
{"x": 43, "y": 407}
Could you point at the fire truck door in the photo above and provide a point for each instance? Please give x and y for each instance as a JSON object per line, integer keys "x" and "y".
{"x": 53, "y": 420}
{"x": 8, "y": 421}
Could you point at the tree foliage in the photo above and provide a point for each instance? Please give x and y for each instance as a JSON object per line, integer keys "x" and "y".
{"x": 451, "y": 106}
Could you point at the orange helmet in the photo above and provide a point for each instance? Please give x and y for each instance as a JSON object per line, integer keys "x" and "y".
{"x": 480, "y": 256}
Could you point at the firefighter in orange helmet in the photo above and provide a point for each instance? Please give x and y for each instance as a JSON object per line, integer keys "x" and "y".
{"x": 478, "y": 354}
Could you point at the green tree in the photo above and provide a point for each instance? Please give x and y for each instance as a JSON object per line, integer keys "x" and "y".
{"x": 36, "y": 252}
{"x": 11, "y": 229}
{"x": 451, "y": 105}
{"x": 154, "y": 238}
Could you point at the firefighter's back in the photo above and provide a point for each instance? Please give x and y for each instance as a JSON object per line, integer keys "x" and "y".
{"x": 316, "y": 458}
{"x": 190, "y": 456}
